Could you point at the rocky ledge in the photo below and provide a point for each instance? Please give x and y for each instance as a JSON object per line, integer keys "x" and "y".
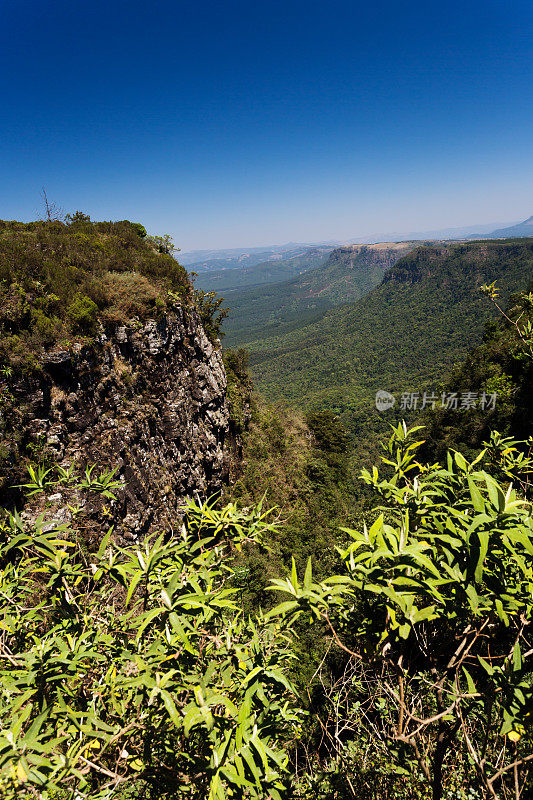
{"x": 148, "y": 398}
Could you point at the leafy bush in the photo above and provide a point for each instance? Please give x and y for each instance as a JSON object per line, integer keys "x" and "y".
{"x": 83, "y": 313}
{"x": 239, "y": 391}
{"x": 134, "y": 670}
{"x": 139, "y": 229}
{"x": 237, "y": 361}
{"x": 211, "y": 313}
{"x": 434, "y": 608}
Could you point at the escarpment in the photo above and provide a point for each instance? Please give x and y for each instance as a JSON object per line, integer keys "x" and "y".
{"x": 147, "y": 398}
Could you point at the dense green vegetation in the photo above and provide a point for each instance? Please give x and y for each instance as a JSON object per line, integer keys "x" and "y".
{"x": 259, "y": 274}
{"x": 433, "y": 609}
{"x": 302, "y": 465}
{"x": 133, "y": 670}
{"x": 413, "y": 327}
{"x": 58, "y": 280}
{"x": 306, "y": 463}
{"x": 502, "y": 364}
{"x": 348, "y": 274}
{"x": 137, "y": 672}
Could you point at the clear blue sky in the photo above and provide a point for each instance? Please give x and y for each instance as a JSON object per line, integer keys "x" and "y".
{"x": 242, "y": 123}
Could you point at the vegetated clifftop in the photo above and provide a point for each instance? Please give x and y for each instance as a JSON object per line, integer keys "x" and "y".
{"x": 144, "y": 392}
{"x": 354, "y": 270}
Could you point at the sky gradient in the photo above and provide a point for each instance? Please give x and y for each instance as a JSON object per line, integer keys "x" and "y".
{"x": 233, "y": 124}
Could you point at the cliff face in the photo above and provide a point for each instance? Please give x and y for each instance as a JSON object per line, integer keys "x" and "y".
{"x": 354, "y": 270}
{"x": 147, "y": 397}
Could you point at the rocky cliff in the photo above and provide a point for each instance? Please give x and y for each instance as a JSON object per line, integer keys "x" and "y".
{"x": 148, "y": 398}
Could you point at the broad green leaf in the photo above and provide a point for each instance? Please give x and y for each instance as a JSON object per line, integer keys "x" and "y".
{"x": 475, "y": 494}
{"x": 517, "y": 657}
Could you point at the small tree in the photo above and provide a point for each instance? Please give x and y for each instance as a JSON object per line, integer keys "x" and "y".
{"x": 162, "y": 244}
{"x": 212, "y": 315}
{"x": 53, "y": 212}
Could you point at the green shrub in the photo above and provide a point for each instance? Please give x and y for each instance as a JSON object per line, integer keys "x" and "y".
{"x": 139, "y": 229}
{"x": 237, "y": 361}
{"x": 83, "y": 313}
{"x": 46, "y": 328}
{"x": 212, "y": 315}
{"x": 133, "y": 672}
{"x": 433, "y": 612}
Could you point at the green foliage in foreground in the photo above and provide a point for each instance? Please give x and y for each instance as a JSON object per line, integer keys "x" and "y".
{"x": 135, "y": 672}
{"x": 434, "y": 607}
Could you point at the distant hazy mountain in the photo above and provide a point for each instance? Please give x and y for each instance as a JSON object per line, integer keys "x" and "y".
{"x": 441, "y": 233}
{"x": 521, "y": 229}
{"x": 226, "y": 280}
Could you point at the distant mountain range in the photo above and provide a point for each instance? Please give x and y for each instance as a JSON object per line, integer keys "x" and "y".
{"x": 239, "y": 258}
{"x": 244, "y": 258}
{"x": 466, "y": 232}
{"x": 513, "y": 231}
{"x": 493, "y": 230}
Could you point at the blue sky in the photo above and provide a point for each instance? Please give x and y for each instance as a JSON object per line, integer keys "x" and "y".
{"x": 240, "y": 123}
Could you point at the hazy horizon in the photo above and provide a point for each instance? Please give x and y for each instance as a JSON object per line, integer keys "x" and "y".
{"x": 485, "y": 227}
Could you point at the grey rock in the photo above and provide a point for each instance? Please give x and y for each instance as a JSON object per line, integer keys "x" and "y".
{"x": 166, "y": 429}
{"x": 55, "y": 498}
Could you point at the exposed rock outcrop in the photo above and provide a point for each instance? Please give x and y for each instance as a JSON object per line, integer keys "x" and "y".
{"x": 148, "y": 398}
